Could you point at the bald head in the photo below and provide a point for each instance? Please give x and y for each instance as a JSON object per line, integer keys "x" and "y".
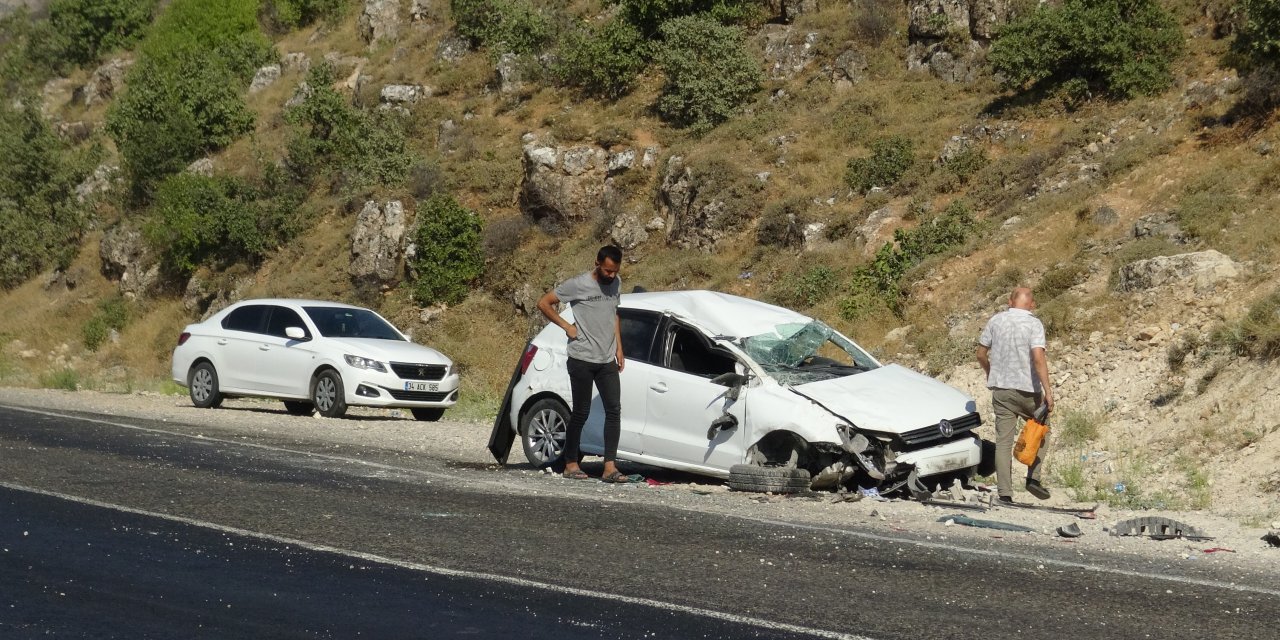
{"x": 1021, "y": 299}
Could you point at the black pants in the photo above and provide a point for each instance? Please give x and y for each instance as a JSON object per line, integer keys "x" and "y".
{"x": 582, "y": 375}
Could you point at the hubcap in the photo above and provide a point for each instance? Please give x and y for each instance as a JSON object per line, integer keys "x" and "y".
{"x": 201, "y": 385}
{"x": 546, "y": 434}
{"x": 325, "y": 394}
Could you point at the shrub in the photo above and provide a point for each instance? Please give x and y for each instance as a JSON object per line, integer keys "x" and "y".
{"x": 1122, "y": 48}
{"x": 1260, "y": 329}
{"x": 1076, "y": 427}
{"x": 448, "y": 257}
{"x": 649, "y": 15}
{"x": 41, "y": 221}
{"x": 362, "y": 148}
{"x": 227, "y": 29}
{"x": 66, "y": 379}
{"x": 709, "y": 72}
{"x": 890, "y": 158}
{"x": 287, "y": 15}
{"x": 1257, "y": 42}
{"x": 883, "y": 275}
{"x": 503, "y": 26}
{"x": 112, "y": 314}
{"x": 1060, "y": 278}
{"x": 87, "y": 28}
{"x": 966, "y": 163}
{"x": 603, "y": 61}
{"x": 801, "y": 290}
{"x": 780, "y": 224}
{"x": 876, "y": 20}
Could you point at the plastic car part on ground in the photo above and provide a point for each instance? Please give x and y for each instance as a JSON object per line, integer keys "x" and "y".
{"x": 1070, "y": 530}
{"x": 1158, "y": 528}
{"x": 984, "y": 524}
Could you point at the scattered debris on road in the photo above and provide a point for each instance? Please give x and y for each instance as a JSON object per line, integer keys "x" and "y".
{"x": 1157, "y": 528}
{"x": 984, "y": 524}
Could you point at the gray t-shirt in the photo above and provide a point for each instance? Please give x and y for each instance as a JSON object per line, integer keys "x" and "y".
{"x": 595, "y": 312}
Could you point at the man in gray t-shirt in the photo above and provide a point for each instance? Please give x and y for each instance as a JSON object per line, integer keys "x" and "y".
{"x": 595, "y": 355}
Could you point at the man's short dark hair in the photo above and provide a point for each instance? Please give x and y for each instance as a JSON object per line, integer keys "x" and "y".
{"x": 611, "y": 252}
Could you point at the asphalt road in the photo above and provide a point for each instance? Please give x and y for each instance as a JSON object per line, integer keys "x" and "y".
{"x": 119, "y": 528}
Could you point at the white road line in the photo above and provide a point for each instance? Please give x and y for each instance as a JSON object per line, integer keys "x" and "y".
{"x": 453, "y": 573}
{"x": 1004, "y": 555}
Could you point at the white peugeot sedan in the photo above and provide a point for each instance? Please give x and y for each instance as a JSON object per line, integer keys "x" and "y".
{"x": 313, "y": 355}
{"x": 734, "y": 388}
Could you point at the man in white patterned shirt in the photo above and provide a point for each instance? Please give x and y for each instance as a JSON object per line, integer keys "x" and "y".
{"x": 1011, "y": 351}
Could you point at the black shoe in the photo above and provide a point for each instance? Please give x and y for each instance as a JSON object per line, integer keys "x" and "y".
{"x": 1036, "y": 489}
{"x": 1006, "y": 499}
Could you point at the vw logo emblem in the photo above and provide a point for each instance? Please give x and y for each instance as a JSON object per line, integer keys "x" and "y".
{"x": 945, "y": 428}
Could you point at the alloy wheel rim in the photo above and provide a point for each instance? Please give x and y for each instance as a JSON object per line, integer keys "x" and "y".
{"x": 548, "y": 434}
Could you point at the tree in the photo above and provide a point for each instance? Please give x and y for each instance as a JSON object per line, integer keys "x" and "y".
{"x": 1257, "y": 42}
{"x": 449, "y": 256}
{"x": 91, "y": 27}
{"x": 1120, "y": 48}
{"x": 709, "y": 72}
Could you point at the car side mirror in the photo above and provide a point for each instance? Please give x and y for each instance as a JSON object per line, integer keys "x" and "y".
{"x": 731, "y": 379}
{"x": 295, "y": 333}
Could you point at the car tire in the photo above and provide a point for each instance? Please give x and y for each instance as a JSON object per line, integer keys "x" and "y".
{"x": 202, "y": 384}
{"x": 427, "y": 415}
{"x": 543, "y": 428}
{"x": 749, "y": 477}
{"x": 328, "y": 395}
{"x": 299, "y": 408}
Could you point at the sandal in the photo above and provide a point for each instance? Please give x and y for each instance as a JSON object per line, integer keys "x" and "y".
{"x": 576, "y": 474}
{"x": 618, "y": 477}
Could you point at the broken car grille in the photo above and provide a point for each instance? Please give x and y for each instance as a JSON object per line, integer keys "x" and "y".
{"x": 410, "y": 371}
{"x": 933, "y": 434}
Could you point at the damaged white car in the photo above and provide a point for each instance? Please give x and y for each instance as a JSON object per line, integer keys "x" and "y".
{"x": 734, "y": 388}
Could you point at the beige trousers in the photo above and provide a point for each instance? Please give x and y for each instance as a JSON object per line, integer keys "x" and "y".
{"x": 1012, "y": 408}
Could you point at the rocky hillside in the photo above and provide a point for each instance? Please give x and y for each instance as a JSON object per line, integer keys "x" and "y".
{"x": 1144, "y": 222}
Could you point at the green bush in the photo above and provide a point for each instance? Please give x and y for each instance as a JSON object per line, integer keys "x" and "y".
{"x": 1120, "y": 48}
{"x": 66, "y": 379}
{"x": 88, "y": 28}
{"x": 449, "y": 255}
{"x": 330, "y": 135}
{"x": 227, "y": 29}
{"x": 41, "y": 221}
{"x": 287, "y": 15}
{"x": 648, "y": 15}
{"x": 709, "y": 72}
{"x": 780, "y": 224}
{"x": 1260, "y": 329}
{"x": 890, "y": 158}
{"x": 30, "y": 53}
{"x": 502, "y": 26}
{"x": 1057, "y": 280}
{"x": 883, "y": 275}
{"x": 112, "y": 314}
{"x": 1257, "y": 43}
{"x": 603, "y": 61}
{"x": 220, "y": 220}
{"x": 802, "y": 290}
{"x": 965, "y": 164}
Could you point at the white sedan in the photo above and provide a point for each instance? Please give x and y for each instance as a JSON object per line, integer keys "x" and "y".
{"x": 734, "y": 388}
{"x": 313, "y": 355}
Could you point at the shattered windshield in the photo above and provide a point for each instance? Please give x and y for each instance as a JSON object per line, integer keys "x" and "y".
{"x": 799, "y": 353}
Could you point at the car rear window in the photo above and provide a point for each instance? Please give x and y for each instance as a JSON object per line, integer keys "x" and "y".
{"x": 345, "y": 322}
{"x": 247, "y": 318}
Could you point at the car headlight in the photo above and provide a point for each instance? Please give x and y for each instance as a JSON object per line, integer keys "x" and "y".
{"x": 360, "y": 362}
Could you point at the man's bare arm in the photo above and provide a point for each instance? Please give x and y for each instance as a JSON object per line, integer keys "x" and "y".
{"x": 548, "y": 305}
{"x": 984, "y": 360}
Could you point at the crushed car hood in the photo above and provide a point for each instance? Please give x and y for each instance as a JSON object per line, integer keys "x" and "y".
{"x": 391, "y": 350}
{"x": 890, "y": 399}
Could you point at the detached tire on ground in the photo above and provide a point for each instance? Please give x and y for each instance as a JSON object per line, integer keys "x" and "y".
{"x": 749, "y": 477}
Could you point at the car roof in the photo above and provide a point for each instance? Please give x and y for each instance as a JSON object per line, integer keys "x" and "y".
{"x": 303, "y": 302}
{"x": 720, "y": 313}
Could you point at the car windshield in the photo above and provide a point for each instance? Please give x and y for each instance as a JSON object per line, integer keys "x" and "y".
{"x": 799, "y": 353}
{"x": 345, "y": 322}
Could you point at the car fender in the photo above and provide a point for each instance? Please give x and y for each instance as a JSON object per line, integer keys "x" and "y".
{"x": 771, "y": 407}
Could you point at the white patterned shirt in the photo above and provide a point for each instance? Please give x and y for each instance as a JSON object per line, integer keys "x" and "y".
{"x": 1011, "y": 335}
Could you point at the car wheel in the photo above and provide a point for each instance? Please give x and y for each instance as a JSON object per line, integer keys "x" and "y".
{"x": 327, "y": 394}
{"x": 202, "y": 383}
{"x": 298, "y": 408}
{"x": 428, "y": 415}
{"x": 749, "y": 477}
{"x": 542, "y": 432}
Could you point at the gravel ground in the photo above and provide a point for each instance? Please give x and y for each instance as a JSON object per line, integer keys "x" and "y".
{"x": 459, "y": 450}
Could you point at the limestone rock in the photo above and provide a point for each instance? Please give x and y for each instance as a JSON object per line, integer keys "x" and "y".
{"x": 1201, "y": 269}
{"x": 379, "y": 20}
{"x": 849, "y": 69}
{"x": 201, "y": 167}
{"x": 377, "y": 243}
{"x": 787, "y": 51}
{"x": 403, "y": 93}
{"x": 103, "y": 179}
{"x": 876, "y": 229}
{"x": 452, "y": 48}
{"x": 265, "y": 77}
{"x": 936, "y": 18}
{"x": 563, "y": 184}
{"x": 1160, "y": 224}
{"x": 419, "y": 10}
{"x": 510, "y": 75}
{"x": 792, "y": 9}
{"x": 105, "y": 81}
{"x": 697, "y": 212}
{"x": 127, "y": 258}
{"x": 296, "y": 62}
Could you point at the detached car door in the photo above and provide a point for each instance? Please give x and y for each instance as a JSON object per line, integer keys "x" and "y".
{"x": 683, "y": 402}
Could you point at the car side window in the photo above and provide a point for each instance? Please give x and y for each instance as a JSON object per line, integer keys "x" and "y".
{"x": 689, "y": 352}
{"x": 638, "y": 329}
{"x": 281, "y": 319}
{"x": 247, "y": 318}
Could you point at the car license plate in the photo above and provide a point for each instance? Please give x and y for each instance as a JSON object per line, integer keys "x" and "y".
{"x": 422, "y": 386}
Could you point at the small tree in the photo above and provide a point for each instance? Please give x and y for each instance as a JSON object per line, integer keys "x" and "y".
{"x": 503, "y": 26}
{"x": 603, "y": 61}
{"x": 709, "y": 72}
{"x": 890, "y": 159}
{"x": 449, "y": 255}
{"x": 91, "y": 27}
{"x": 1121, "y": 48}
